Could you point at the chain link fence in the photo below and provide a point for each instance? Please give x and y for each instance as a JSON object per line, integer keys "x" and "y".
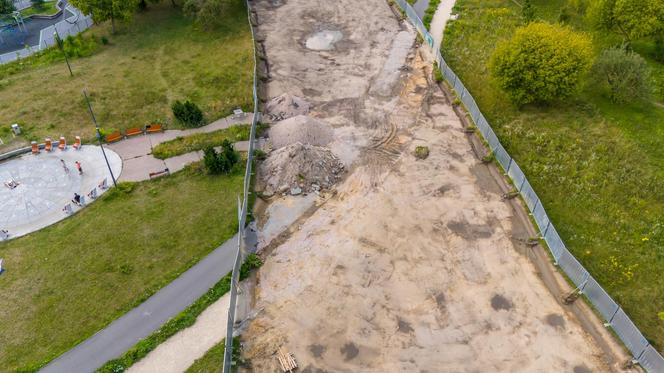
{"x": 71, "y": 26}
{"x": 615, "y": 316}
{"x": 242, "y": 215}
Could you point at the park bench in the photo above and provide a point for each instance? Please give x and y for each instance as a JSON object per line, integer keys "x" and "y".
{"x": 113, "y": 137}
{"x": 151, "y": 128}
{"x": 160, "y": 173}
{"x": 133, "y": 131}
{"x": 77, "y": 143}
{"x": 48, "y": 145}
{"x": 62, "y": 144}
{"x": 35, "y": 147}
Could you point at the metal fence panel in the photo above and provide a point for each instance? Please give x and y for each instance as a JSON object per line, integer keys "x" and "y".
{"x": 573, "y": 268}
{"x": 516, "y": 175}
{"x": 502, "y": 156}
{"x": 628, "y": 333}
{"x": 541, "y": 218}
{"x": 459, "y": 88}
{"x": 600, "y": 299}
{"x": 652, "y": 361}
{"x": 553, "y": 240}
{"x": 482, "y": 126}
{"x": 529, "y": 195}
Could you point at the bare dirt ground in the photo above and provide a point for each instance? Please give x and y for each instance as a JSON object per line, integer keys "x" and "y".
{"x": 409, "y": 265}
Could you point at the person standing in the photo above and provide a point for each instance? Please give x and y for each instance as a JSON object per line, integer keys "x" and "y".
{"x": 79, "y": 168}
{"x": 64, "y": 166}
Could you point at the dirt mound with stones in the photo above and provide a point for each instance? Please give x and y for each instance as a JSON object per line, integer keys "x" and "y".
{"x": 301, "y": 128}
{"x": 285, "y": 106}
{"x": 298, "y": 168}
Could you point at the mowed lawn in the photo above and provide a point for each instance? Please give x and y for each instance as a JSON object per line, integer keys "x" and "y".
{"x": 158, "y": 58}
{"x": 66, "y": 282}
{"x": 597, "y": 166}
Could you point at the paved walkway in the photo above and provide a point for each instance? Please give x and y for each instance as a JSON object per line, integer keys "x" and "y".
{"x": 143, "y": 320}
{"x": 136, "y": 152}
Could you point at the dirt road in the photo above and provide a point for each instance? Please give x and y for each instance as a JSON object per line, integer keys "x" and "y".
{"x": 413, "y": 265}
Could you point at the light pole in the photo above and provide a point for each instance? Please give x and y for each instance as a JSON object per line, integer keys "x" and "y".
{"x": 62, "y": 48}
{"x": 94, "y": 120}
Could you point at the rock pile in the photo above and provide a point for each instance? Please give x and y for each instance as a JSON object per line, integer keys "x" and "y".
{"x": 298, "y": 168}
{"x": 284, "y": 107}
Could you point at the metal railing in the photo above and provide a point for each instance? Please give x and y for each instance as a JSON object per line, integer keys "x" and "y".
{"x": 73, "y": 25}
{"x": 614, "y": 315}
{"x": 242, "y": 214}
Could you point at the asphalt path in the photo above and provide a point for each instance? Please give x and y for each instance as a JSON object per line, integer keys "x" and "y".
{"x": 143, "y": 320}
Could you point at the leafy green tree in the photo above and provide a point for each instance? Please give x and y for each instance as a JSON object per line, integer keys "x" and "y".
{"x": 104, "y": 10}
{"x": 6, "y": 6}
{"x": 527, "y": 12}
{"x": 188, "y": 113}
{"x": 223, "y": 162}
{"x": 541, "y": 63}
{"x": 632, "y": 19}
{"x": 626, "y": 73}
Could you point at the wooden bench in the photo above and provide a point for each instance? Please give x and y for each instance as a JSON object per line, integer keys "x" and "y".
{"x": 133, "y": 131}
{"x": 113, "y": 137}
{"x": 151, "y": 128}
{"x": 160, "y": 173}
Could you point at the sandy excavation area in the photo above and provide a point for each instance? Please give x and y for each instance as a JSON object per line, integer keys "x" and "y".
{"x": 408, "y": 265}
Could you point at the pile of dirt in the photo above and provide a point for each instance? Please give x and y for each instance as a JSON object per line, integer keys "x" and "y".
{"x": 298, "y": 168}
{"x": 301, "y": 128}
{"x": 285, "y": 106}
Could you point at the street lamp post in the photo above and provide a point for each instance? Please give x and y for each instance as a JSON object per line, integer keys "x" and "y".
{"x": 94, "y": 120}
{"x": 62, "y": 48}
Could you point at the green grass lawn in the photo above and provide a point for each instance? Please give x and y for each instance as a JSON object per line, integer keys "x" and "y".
{"x": 597, "y": 166}
{"x": 158, "y": 58}
{"x": 211, "y": 362}
{"x": 47, "y": 8}
{"x": 200, "y": 141}
{"x": 66, "y": 282}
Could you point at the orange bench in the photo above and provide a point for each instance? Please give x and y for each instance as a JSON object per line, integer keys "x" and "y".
{"x": 62, "y": 145}
{"x": 133, "y": 131}
{"x": 35, "y": 147}
{"x": 150, "y": 128}
{"x": 48, "y": 145}
{"x": 77, "y": 143}
{"x": 113, "y": 137}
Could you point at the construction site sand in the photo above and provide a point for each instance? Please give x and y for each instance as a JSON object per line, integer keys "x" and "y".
{"x": 414, "y": 265}
{"x": 285, "y": 106}
{"x": 301, "y": 128}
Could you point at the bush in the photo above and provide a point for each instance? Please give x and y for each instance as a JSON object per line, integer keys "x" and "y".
{"x": 220, "y": 163}
{"x": 422, "y": 152}
{"x": 260, "y": 155}
{"x": 188, "y": 113}
{"x": 104, "y": 40}
{"x": 79, "y": 46}
{"x": 527, "y": 12}
{"x": 6, "y": 6}
{"x": 541, "y": 63}
{"x": 626, "y": 74}
{"x": 437, "y": 74}
{"x": 658, "y": 54}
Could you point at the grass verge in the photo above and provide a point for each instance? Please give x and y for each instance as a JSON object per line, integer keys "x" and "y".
{"x": 429, "y": 13}
{"x": 200, "y": 141}
{"x": 68, "y": 281}
{"x": 46, "y": 8}
{"x": 595, "y": 165}
{"x": 183, "y": 320}
{"x": 157, "y": 59}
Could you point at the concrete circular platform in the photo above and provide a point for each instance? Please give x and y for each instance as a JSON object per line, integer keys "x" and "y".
{"x": 45, "y": 188}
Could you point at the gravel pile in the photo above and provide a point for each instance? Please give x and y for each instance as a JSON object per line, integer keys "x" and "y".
{"x": 299, "y": 168}
{"x": 285, "y": 106}
{"x": 301, "y": 128}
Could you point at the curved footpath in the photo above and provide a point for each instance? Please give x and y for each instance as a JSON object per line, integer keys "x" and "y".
{"x": 125, "y": 332}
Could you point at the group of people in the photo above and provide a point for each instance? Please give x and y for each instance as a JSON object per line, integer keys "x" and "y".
{"x": 77, "y": 164}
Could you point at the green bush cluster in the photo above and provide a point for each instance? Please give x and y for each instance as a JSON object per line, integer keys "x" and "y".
{"x": 79, "y": 46}
{"x": 542, "y": 63}
{"x": 222, "y": 162}
{"x": 625, "y": 73}
{"x": 183, "y": 320}
{"x": 188, "y": 113}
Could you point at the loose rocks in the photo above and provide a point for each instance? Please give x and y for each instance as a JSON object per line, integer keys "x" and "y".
{"x": 285, "y": 106}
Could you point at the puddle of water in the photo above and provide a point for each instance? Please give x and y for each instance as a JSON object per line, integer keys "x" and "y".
{"x": 323, "y": 40}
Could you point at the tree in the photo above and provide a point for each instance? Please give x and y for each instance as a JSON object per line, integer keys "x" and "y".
{"x": 220, "y": 163}
{"x": 541, "y": 63}
{"x": 632, "y": 19}
{"x": 6, "y": 6}
{"x": 527, "y": 12}
{"x": 104, "y": 10}
{"x": 625, "y": 72}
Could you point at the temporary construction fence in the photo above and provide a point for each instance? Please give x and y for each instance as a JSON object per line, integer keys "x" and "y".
{"x": 242, "y": 214}
{"x": 69, "y": 27}
{"x": 616, "y": 318}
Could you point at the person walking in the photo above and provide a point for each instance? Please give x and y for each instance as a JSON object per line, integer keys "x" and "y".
{"x": 64, "y": 166}
{"x": 79, "y": 168}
